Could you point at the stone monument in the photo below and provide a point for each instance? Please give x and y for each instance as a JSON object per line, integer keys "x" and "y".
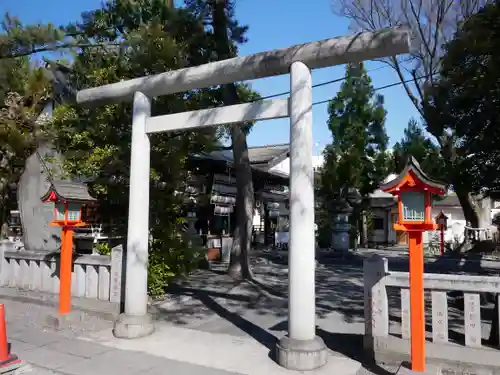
{"x": 36, "y": 215}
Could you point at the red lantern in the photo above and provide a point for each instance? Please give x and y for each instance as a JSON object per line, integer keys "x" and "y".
{"x": 414, "y": 190}
{"x": 68, "y": 198}
{"x": 442, "y": 222}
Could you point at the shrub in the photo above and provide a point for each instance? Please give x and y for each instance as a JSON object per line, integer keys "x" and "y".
{"x": 103, "y": 248}
{"x": 170, "y": 258}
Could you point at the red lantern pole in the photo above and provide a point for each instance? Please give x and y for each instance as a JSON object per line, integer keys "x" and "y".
{"x": 66, "y": 263}
{"x": 415, "y": 182}
{"x": 417, "y": 306}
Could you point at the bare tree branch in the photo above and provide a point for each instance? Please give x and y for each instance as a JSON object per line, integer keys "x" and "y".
{"x": 434, "y": 23}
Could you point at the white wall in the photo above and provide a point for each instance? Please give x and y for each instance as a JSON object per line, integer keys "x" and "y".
{"x": 378, "y": 235}
{"x": 456, "y": 225}
{"x": 284, "y": 166}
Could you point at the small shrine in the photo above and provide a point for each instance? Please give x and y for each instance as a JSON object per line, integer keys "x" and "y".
{"x": 68, "y": 198}
{"x": 413, "y": 190}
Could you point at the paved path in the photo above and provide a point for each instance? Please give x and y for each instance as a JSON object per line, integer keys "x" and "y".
{"x": 85, "y": 348}
{"x": 69, "y": 351}
{"x": 212, "y": 327}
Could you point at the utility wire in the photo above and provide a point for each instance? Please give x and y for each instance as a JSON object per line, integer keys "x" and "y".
{"x": 316, "y": 85}
{"x": 382, "y": 87}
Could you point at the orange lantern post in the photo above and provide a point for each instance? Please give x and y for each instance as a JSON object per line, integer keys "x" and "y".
{"x": 442, "y": 222}
{"x": 69, "y": 199}
{"x": 414, "y": 190}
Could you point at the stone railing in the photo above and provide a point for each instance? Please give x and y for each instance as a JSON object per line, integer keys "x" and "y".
{"x": 383, "y": 287}
{"x": 94, "y": 276}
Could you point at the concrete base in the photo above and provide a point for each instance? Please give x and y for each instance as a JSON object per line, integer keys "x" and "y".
{"x": 430, "y": 369}
{"x": 301, "y": 355}
{"x": 133, "y": 327}
{"x": 59, "y": 322}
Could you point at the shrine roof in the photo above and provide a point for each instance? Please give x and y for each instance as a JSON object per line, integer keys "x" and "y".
{"x": 413, "y": 166}
{"x": 69, "y": 191}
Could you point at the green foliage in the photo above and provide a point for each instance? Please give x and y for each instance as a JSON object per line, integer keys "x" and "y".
{"x": 96, "y": 143}
{"x": 417, "y": 144}
{"x": 103, "y": 248}
{"x": 464, "y": 101}
{"x": 24, "y": 90}
{"x": 121, "y": 40}
{"x": 170, "y": 258}
{"x": 357, "y": 155}
{"x": 18, "y": 40}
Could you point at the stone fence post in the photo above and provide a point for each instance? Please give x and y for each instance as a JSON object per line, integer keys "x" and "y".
{"x": 5, "y": 245}
{"x": 376, "y": 304}
{"x": 117, "y": 269}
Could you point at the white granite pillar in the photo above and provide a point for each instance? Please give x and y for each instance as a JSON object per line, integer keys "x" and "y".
{"x": 301, "y": 349}
{"x": 135, "y": 321}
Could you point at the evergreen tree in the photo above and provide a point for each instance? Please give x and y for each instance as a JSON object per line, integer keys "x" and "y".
{"x": 227, "y": 33}
{"x": 357, "y": 156}
{"x": 24, "y": 90}
{"x": 417, "y": 144}
{"x": 143, "y": 38}
{"x": 434, "y": 24}
{"x": 121, "y": 40}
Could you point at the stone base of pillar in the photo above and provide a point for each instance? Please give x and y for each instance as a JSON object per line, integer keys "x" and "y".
{"x": 300, "y": 355}
{"x": 133, "y": 326}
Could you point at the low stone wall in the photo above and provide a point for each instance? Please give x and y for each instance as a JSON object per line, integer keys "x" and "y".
{"x": 383, "y": 287}
{"x": 93, "y": 277}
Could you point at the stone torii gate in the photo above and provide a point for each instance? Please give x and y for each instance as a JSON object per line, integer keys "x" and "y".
{"x": 301, "y": 349}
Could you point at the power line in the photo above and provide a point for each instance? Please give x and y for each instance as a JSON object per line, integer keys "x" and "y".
{"x": 382, "y": 87}
{"x": 317, "y": 85}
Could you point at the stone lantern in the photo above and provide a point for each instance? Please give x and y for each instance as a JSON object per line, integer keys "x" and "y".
{"x": 340, "y": 210}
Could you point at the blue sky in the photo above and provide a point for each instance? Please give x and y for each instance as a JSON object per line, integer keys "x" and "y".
{"x": 273, "y": 24}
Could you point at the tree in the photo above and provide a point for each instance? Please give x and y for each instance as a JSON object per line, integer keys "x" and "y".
{"x": 357, "y": 157}
{"x": 417, "y": 144}
{"x": 433, "y": 24}
{"x": 24, "y": 90}
{"x": 464, "y": 100}
{"x": 137, "y": 40}
{"x": 227, "y": 33}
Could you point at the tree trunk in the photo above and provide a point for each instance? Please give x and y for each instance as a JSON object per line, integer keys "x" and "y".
{"x": 239, "y": 267}
{"x": 467, "y": 207}
{"x": 364, "y": 230}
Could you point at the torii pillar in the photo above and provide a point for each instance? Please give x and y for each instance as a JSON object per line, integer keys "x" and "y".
{"x": 301, "y": 349}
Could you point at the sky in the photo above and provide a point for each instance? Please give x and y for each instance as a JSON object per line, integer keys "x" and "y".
{"x": 272, "y": 24}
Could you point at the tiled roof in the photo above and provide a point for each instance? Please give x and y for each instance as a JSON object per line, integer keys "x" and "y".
{"x": 257, "y": 155}
{"x": 265, "y": 154}
{"x": 413, "y": 166}
{"x": 69, "y": 191}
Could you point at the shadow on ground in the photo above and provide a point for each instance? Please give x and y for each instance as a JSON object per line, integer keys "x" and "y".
{"x": 210, "y": 301}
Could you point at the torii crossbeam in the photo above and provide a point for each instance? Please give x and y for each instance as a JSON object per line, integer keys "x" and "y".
{"x": 301, "y": 349}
